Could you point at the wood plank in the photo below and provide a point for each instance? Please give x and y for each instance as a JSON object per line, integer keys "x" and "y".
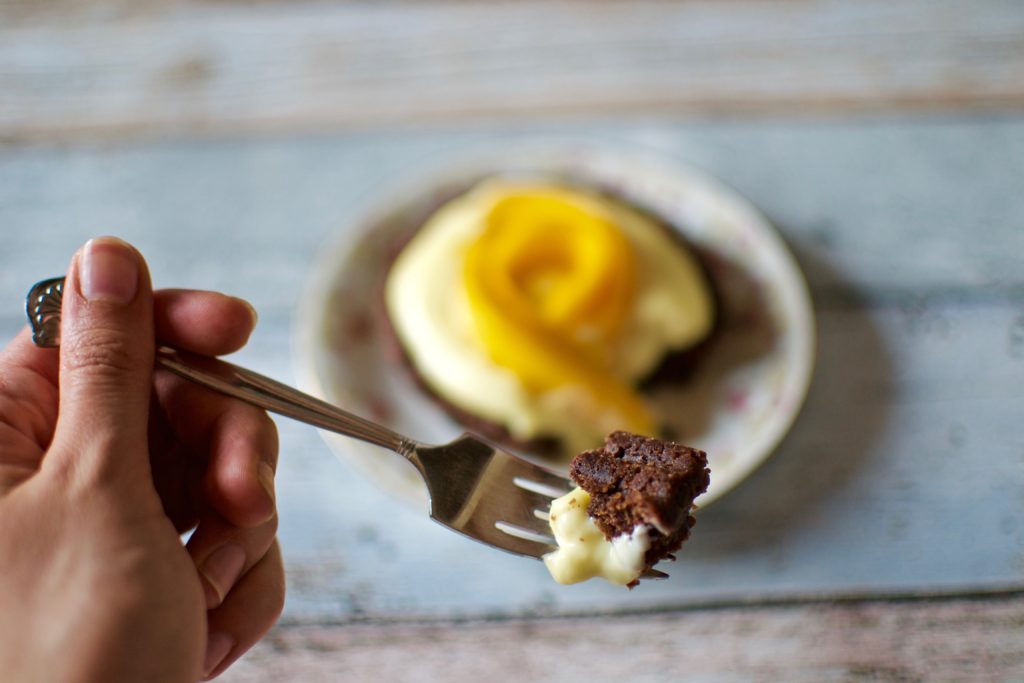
{"x": 900, "y": 213}
{"x": 935, "y": 641}
{"x": 109, "y": 68}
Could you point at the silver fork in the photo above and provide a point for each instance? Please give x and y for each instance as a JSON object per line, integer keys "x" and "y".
{"x": 475, "y": 489}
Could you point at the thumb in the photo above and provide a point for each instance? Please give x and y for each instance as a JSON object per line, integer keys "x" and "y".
{"x": 106, "y": 361}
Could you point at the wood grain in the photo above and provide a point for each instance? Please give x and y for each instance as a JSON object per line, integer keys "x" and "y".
{"x": 937, "y": 641}
{"x": 109, "y": 68}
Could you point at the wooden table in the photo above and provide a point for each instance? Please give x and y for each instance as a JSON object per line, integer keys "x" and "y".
{"x": 884, "y": 541}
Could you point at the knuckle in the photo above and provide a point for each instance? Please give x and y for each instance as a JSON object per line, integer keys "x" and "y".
{"x": 258, "y": 423}
{"x": 248, "y": 430}
{"x": 100, "y": 352}
{"x": 85, "y": 476}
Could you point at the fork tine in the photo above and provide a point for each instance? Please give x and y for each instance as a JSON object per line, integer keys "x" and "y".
{"x": 517, "y": 508}
{"x": 523, "y": 532}
{"x": 533, "y": 523}
{"x": 516, "y": 545}
{"x": 653, "y": 574}
{"x": 541, "y": 483}
{"x": 526, "y": 502}
{"x": 559, "y": 484}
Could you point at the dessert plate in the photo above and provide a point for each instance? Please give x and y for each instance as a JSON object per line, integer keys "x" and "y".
{"x": 738, "y": 401}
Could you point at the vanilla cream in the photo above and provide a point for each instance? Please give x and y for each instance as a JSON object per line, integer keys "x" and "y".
{"x": 670, "y": 309}
{"x": 583, "y": 551}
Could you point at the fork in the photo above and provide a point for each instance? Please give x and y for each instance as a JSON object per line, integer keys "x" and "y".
{"x": 474, "y": 488}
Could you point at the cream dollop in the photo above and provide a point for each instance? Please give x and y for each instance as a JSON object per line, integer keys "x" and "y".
{"x": 427, "y": 303}
{"x": 583, "y": 551}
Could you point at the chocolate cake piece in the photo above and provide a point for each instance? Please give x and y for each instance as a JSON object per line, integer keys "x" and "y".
{"x": 637, "y": 480}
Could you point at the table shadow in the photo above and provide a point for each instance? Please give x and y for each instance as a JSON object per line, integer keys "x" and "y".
{"x": 830, "y": 440}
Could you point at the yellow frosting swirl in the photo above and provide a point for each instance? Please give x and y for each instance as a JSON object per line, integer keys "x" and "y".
{"x": 550, "y": 280}
{"x": 545, "y": 330}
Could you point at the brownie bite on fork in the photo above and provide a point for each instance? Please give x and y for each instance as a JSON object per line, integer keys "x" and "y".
{"x": 632, "y": 508}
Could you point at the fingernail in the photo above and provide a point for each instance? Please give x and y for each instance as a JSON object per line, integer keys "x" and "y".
{"x": 221, "y": 569}
{"x": 108, "y": 270}
{"x": 218, "y": 646}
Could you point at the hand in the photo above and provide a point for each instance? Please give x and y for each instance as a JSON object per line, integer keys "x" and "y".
{"x": 103, "y": 464}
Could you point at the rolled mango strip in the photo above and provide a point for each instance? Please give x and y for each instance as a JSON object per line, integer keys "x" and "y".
{"x": 550, "y": 281}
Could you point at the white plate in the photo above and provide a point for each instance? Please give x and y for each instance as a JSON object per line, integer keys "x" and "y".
{"x": 737, "y": 406}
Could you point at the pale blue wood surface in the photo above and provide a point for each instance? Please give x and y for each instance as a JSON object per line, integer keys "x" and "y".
{"x": 112, "y": 68}
{"x": 903, "y": 474}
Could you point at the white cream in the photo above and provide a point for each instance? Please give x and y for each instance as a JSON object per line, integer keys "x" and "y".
{"x": 583, "y": 551}
{"x": 429, "y": 310}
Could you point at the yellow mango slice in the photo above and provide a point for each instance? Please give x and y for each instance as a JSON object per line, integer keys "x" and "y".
{"x": 550, "y": 281}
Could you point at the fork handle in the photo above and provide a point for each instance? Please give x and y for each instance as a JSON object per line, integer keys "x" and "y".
{"x": 43, "y": 306}
{"x": 264, "y": 392}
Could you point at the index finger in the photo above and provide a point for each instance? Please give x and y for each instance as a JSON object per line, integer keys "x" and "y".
{"x": 208, "y": 323}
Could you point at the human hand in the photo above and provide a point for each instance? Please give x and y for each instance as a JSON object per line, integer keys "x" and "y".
{"x": 103, "y": 464}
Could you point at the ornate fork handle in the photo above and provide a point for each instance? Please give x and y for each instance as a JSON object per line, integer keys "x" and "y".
{"x": 43, "y": 306}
